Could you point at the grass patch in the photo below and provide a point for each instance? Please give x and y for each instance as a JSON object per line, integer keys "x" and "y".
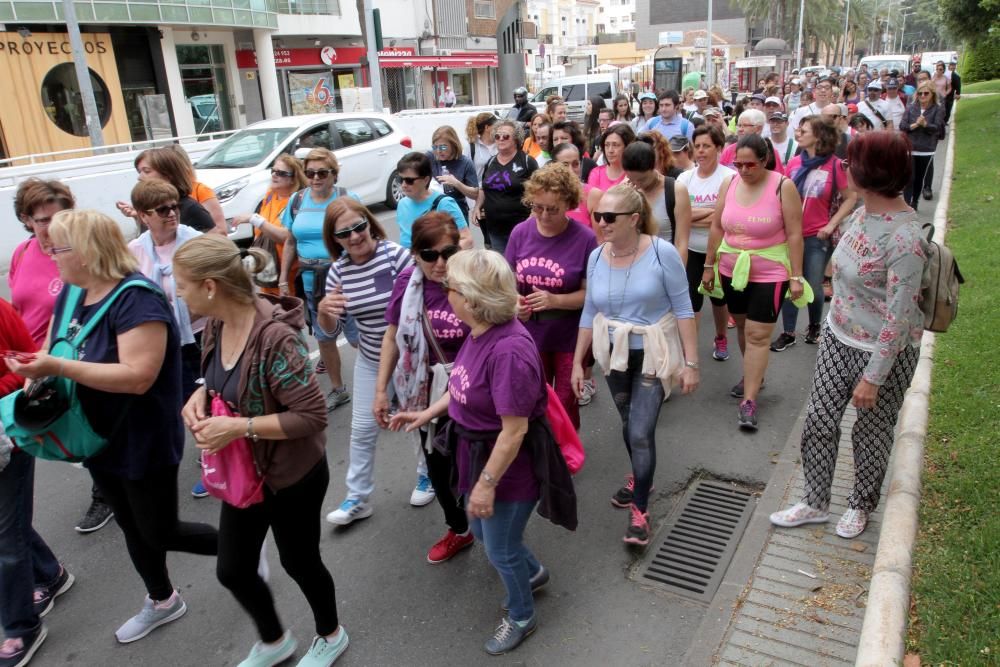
{"x": 956, "y": 583}
{"x": 982, "y": 87}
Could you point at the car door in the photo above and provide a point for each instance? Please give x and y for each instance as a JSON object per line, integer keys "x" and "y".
{"x": 319, "y": 135}
{"x": 362, "y": 157}
{"x": 575, "y": 95}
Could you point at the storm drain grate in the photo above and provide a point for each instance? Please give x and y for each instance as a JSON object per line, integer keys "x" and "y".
{"x": 701, "y": 538}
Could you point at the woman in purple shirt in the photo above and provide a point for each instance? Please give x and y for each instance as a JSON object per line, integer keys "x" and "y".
{"x": 548, "y": 253}
{"x": 496, "y": 389}
{"x": 419, "y": 305}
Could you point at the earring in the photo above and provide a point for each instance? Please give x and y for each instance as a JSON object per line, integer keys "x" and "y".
{"x": 211, "y": 296}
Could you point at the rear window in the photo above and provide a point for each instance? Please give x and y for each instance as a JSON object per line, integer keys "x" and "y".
{"x": 576, "y": 92}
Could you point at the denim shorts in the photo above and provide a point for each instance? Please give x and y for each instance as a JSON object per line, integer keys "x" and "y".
{"x": 349, "y": 326}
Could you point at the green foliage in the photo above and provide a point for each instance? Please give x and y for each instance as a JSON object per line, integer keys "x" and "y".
{"x": 982, "y": 61}
{"x": 971, "y": 20}
{"x": 956, "y": 582}
{"x": 982, "y": 87}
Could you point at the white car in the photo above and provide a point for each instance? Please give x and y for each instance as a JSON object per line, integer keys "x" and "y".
{"x": 367, "y": 146}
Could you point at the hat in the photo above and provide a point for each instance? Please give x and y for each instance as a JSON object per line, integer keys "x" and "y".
{"x": 892, "y": 83}
{"x": 758, "y": 96}
{"x": 711, "y": 111}
{"x": 521, "y": 91}
{"x": 875, "y": 85}
{"x": 646, "y": 96}
{"x": 678, "y": 143}
{"x": 797, "y": 81}
{"x": 700, "y": 95}
{"x": 851, "y": 108}
{"x": 773, "y": 99}
{"x": 778, "y": 115}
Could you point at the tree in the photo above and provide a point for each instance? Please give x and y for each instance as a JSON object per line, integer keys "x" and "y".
{"x": 971, "y": 20}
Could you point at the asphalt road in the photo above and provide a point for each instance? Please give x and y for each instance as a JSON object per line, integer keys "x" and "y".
{"x": 397, "y": 608}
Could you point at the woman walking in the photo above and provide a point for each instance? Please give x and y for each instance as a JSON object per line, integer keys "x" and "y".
{"x": 456, "y": 173}
{"x": 820, "y": 178}
{"x": 668, "y": 200}
{"x": 871, "y": 342}
{"x": 755, "y": 256}
{"x": 499, "y": 206}
{"x": 924, "y": 122}
{"x": 414, "y": 171}
{"x": 612, "y": 145}
{"x": 637, "y": 318}
{"x": 482, "y": 146}
{"x": 647, "y": 112}
{"x": 168, "y": 165}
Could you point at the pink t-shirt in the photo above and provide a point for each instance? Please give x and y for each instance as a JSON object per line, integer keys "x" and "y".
{"x": 598, "y": 178}
{"x": 34, "y": 284}
{"x": 818, "y": 192}
{"x": 581, "y": 213}
{"x": 760, "y": 225}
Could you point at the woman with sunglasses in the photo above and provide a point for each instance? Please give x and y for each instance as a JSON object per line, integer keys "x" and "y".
{"x": 424, "y": 332}
{"x": 455, "y": 172}
{"x": 612, "y": 144}
{"x": 359, "y": 285}
{"x": 754, "y": 260}
{"x": 303, "y": 218}
{"x": 500, "y": 204}
{"x": 415, "y": 174}
{"x": 548, "y": 253}
{"x": 637, "y": 319}
{"x": 819, "y": 177}
{"x": 924, "y": 123}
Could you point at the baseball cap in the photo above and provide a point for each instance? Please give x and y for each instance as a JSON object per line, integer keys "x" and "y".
{"x": 711, "y": 111}
{"x": 700, "y": 95}
{"x": 778, "y": 115}
{"x": 647, "y": 96}
{"x": 773, "y": 99}
{"x": 678, "y": 143}
{"x": 875, "y": 85}
{"x": 797, "y": 81}
{"x": 851, "y": 108}
{"x": 758, "y": 96}
{"x": 892, "y": 83}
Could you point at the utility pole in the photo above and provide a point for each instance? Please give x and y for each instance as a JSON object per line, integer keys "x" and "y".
{"x": 90, "y": 113}
{"x": 374, "y": 71}
{"x": 709, "y": 63}
{"x": 798, "y": 56}
{"x": 843, "y": 52}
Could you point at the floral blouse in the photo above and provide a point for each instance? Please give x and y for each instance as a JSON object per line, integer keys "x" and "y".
{"x": 877, "y": 270}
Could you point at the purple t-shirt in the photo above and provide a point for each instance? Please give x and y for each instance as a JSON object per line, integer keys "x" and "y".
{"x": 498, "y": 373}
{"x": 557, "y": 265}
{"x": 449, "y": 331}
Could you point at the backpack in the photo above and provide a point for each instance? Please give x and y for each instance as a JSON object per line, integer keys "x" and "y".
{"x": 939, "y": 285}
{"x": 46, "y": 420}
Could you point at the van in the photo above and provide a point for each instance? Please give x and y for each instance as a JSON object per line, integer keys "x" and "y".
{"x": 928, "y": 59}
{"x": 890, "y": 62}
{"x": 576, "y": 90}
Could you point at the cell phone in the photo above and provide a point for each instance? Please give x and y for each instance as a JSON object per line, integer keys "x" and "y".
{"x": 20, "y": 357}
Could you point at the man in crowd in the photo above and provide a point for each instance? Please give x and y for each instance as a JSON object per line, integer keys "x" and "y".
{"x": 713, "y": 116}
{"x": 448, "y": 97}
{"x": 782, "y": 141}
{"x": 522, "y": 111}
{"x": 894, "y": 104}
{"x": 822, "y": 96}
{"x": 771, "y": 105}
{"x": 669, "y": 123}
{"x": 837, "y": 114}
{"x": 911, "y": 78}
{"x": 757, "y": 101}
{"x": 701, "y": 101}
{"x": 874, "y": 108}
{"x": 793, "y": 99}
{"x": 956, "y": 90}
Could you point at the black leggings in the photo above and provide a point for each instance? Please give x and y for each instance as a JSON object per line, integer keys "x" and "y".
{"x": 439, "y": 471}
{"x": 923, "y": 177}
{"x": 293, "y": 515}
{"x": 146, "y": 510}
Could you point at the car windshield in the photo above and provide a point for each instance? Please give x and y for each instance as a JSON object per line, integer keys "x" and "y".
{"x": 246, "y": 148}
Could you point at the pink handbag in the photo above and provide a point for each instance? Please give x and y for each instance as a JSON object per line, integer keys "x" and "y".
{"x": 231, "y": 475}
{"x": 565, "y": 435}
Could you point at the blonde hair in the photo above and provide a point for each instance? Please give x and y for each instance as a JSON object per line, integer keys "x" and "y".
{"x": 447, "y": 134}
{"x": 927, "y": 85}
{"x": 295, "y": 165}
{"x": 97, "y": 240}
{"x": 215, "y": 257}
{"x": 556, "y": 178}
{"x": 477, "y": 124}
{"x": 486, "y": 281}
{"x": 326, "y": 156}
{"x": 636, "y": 202}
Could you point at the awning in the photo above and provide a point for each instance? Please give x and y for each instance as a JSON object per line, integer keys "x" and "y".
{"x": 453, "y": 61}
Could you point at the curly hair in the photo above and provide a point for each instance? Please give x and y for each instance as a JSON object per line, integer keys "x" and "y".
{"x": 555, "y": 178}
{"x": 664, "y": 156}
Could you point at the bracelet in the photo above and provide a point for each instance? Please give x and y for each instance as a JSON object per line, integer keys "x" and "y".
{"x": 282, "y": 284}
{"x": 708, "y": 266}
{"x": 490, "y": 479}
{"x": 250, "y": 435}
{"x": 691, "y": 364}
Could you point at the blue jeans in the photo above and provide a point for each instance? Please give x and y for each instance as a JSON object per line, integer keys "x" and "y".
{"x": 364, "y": 431}
{"x": 638, "y": 399}
{"x": 25, "y": 560}
{"x": 816, "y": 253}
{"x": 347, "y": 324}
{"x": 503, "y": 536}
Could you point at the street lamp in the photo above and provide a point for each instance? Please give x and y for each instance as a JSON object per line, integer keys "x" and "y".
{"x": 902, "y": 30}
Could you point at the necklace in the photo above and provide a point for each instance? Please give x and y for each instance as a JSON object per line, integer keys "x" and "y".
{"x": 625, "y": 254}
{"x": 628, "y": 273}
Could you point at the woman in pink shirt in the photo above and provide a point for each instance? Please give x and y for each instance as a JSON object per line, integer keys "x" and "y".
{"x": 757, "y": 222}
{"x": 612, "y": 144}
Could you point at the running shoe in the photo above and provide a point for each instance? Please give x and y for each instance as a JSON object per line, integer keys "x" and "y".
{"x": 17, "y": 652}
{"x": 509, "y": 635}
{"x": 720, "y": 348}
{"x": 423, "y": 492}
{"x": 638, "y": 527}
{"x": 748, "y": 415}
{"x": 623, "y": 496}
{"x": 852, "y": 524}
{"x": 812, "y": 334}
{"x": 737, "y": 390}
{"x": 263, "y": 655}
{"x": 97, "y": 516}
{"x": 587, "y": 392}
{"x": 336, "y": 398}
{"x": 928, "y": 194}
{"x": 731, "y": 324}
{"x": 797, "y": 515}
{"x": 199, "y": 490}
{"x": 783, "y": 342}
{"x": 45, "y": 595}
{"x": 448, "y": 546}
{"x": 324, "y": 652}
{"x": 152, "y": 616}
{"x": 350, "y": 511}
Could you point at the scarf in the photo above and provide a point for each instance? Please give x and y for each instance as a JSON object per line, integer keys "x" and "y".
{"x": 161, "y": 271}
{"x": 808, "y": 164}
{"x": 663, "y": 352}
{"x": 411, "y": 378}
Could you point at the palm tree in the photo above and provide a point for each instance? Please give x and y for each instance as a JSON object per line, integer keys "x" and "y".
{"x": 823, "y": 22}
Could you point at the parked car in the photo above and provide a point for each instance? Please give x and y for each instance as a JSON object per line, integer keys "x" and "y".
{"x": 367, "y": 145}
{"x": 576, "y": 90}
{"x": 889, "y": 62}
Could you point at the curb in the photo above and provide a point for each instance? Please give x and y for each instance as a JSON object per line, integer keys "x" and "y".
{"x": 883, "y": 633}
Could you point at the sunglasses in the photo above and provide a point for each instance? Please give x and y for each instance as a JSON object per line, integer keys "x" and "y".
{"x": 410, "y": 180}
{"x": 318, "y": 173}
{"x": 165, "y": 210}
{"x": 441, "y": 147}
{"x": 345, "y": 233}
{"x": 282, "y": 174}
{"x": 923, "y": 93}
{"x": 746, "y": 165}
{"x": 538, "y": 209}
{"x": 430, "y": 255}
{"x": 503, "y": 137}
{"x": 609, "y": 217}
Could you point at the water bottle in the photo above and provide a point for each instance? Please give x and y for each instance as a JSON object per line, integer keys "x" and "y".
{"x": 445, "y": 172}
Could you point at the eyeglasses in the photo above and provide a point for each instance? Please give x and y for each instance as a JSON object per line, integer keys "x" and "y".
{"x": 503, "y": 137}
{"x": 746, "y": 165}
{"x": 430, "y": 255}
{"x": 284, "y": 174}
{"x": 346, "y": 232}
{"x": 441, "y": 147}
{"x": 609, "y": 217}
{"x": 318, "y": 173}
{"x": 164, "y": 211}
{"x": 538, "y": 209}
{"x": 410, "y": 180}
{"x": 59, "y": 251}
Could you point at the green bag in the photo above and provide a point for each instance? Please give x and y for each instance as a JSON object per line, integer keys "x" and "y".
{"x": 46, "y": 420}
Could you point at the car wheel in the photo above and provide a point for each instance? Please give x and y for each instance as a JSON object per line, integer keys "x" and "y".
{"x": 393, "y": 190}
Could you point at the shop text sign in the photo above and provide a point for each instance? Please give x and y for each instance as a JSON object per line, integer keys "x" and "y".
{"x": 327, "y": 56}
{"x": 12, "y": 44}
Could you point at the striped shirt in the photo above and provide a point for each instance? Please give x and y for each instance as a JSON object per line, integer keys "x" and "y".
{"x": 368, "y": 288}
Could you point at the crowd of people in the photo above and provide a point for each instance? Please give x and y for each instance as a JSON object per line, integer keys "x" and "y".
{"x": 600, "y": 242}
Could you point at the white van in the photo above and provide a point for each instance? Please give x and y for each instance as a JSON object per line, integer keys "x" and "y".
{"x": 890, "y": 62}
{"x": 576, "y": 90}
{"x": 928, "y": 59}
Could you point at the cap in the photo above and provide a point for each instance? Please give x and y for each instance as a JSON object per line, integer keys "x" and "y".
{"x": 521, "y": 90}
{"x": 851, "y": 108}
{"x": 711, "y": 111}
{"x": 758, "y": 96}
{"x": 797, "y": 81}
{"x": 647, "y": 96}
{"x": 773, "y": 99}
{"x": 892, "y": 83}
{"x": 700, "y": 95}
{"x": 778, "y": 115}
{"x": 875, "y": 85}
{"x": 678, "y": 143}
{"x": 894, "y": 72}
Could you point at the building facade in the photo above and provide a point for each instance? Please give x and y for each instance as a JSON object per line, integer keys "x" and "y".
{"x": 567, "y": 44}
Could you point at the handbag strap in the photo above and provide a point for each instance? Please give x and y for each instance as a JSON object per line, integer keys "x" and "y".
{"x": 431, "y": 339}
{"x": 73, "y": 299}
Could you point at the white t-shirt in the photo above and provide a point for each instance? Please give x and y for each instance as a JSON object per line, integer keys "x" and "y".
{"x": 868, "y": 109}
{"x": 811, "y": 109}
{"x": 786, "y": 148}
{"x": 896, "y": 110}
{"x": 704, "y": 192}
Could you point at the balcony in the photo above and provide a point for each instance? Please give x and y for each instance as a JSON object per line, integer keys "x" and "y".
{"x": 309, "y": 7}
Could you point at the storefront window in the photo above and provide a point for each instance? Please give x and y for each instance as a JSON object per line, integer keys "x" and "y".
{"x": 62, "y": 101}
{"x": 206, "y": 88}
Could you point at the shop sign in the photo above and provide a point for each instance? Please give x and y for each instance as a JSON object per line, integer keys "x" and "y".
{"x": 38, "y": 45}
{"x": 326, "y": 56}
{"x": 758, "y": 61}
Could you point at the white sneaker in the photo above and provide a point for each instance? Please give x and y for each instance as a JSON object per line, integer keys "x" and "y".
{"x": 349, "y": 511}
{"x": 423, "y": 492}
{"x": 587, "y": 392}
{"x": 797, "y": 515}
{"x": 852, "y": 524}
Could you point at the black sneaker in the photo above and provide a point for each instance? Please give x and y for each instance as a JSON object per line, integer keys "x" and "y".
{"x": 623, "y": 496}
{"x": 538, "y": 581}
{"x": 18, "y": 652}
{"x": 928, "y": 194}
{"x": 46, "y": 595}
{"x": 638, "y": 527}
{"x": 783, "y": 342}
{"x": 97, "y": 516}
{"x": 812, "y": 335}
{"x": 737, "y": 390}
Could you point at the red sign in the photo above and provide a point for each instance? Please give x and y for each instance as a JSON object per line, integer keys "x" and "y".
{"x": 463, "y": 60}
{"x": 316, "y": 57}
